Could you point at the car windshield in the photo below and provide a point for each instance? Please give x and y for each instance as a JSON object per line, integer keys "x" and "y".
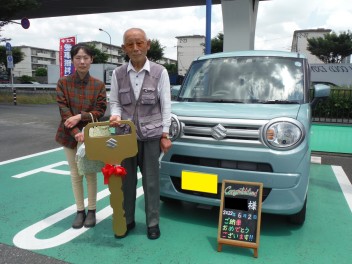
{"x": 245, "y": 80}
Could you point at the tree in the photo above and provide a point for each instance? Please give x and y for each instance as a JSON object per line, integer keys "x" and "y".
{"x": 17, "y": 55}
{"x": 217, "y": 43}
{"x": 171, "y": 68}
{"x": 331, "y": 48}
{"x": 156, "y": 51}
{"x": 10, "y": 7}
{"x": 41, "y": 72}
{"x": 98, "y": 55}
{"x": 25, "y": 79}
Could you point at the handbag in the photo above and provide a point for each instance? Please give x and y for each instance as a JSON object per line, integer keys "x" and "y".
{"x": 85, "y": 165}
{"x": 98, "y": 131}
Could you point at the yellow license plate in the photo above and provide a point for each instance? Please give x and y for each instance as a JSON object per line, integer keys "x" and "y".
{"x": 202, "y": 182}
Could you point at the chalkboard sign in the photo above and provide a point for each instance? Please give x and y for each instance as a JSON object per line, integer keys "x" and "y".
{"x": 240, "y": 214}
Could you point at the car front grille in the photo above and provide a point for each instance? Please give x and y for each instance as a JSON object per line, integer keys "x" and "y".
{"x": 229, "y": 131}
{"x": 222, "y": 163}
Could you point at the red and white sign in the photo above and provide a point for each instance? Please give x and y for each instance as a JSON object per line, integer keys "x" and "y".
{"x": 66, "y": 66}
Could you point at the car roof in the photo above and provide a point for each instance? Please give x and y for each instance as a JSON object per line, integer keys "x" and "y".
{"x": 250, "y": 53}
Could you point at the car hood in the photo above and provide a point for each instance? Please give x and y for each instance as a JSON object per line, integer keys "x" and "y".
{"x": 238, "y": 111}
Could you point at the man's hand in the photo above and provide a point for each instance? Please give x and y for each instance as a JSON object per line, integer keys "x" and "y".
{"x": 165, "y": 143}
{"x": 115, "y": 120}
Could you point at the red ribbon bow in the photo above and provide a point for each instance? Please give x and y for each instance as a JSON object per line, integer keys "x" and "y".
{"x": 109, "y": 170}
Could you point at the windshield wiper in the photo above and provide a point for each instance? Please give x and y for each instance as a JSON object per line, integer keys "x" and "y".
{"x": 278, "y": 102}
{"x": 222, "y": 101}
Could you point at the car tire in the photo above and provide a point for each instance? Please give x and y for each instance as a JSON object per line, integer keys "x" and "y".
{"x": 300, "y": 217}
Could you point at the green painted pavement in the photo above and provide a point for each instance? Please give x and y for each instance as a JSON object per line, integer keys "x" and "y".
{"x": 331, "y": 138}
{"x": 188, "y": 232}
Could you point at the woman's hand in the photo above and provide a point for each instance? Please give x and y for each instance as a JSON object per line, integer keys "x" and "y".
{"x": 79, "y": 137}
{"x": 72, "y": 121}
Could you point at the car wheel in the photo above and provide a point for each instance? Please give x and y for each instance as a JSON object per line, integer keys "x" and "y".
{"x": 300, "y": 217}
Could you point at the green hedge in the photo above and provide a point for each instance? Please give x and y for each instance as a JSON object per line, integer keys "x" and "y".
{"x": 337, "y": 106}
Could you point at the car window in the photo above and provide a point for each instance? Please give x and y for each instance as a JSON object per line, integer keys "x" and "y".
{"x": 245, "y": 79}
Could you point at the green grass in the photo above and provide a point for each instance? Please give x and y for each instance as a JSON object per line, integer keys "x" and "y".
{"x": 35, "y": 98}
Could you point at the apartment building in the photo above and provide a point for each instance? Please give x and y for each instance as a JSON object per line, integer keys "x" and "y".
{"x": 116, "y": 55}
{"x": 300, "y": 42}
{"x": 188, "y": 48}
{"x": 35, "y": 58}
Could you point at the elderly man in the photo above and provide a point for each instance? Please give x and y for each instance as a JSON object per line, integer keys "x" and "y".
{"x": 140, "y": 92}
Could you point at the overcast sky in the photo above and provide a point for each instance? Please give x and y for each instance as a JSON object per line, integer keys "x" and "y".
{"x": 276, "y": 22}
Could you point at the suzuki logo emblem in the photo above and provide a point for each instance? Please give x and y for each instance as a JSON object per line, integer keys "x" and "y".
{"x": 111, "y": 143}
{"x": 218, "y": 132}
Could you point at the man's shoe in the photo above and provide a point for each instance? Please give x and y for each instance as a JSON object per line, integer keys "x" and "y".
{"x": 79, "y": 220}
{"x": 90, "y": 219}
{"x": 130, "y": 226}
{"x": 153, "y": 232}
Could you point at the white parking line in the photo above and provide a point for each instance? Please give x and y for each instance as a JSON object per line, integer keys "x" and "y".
{"x": 49, "y": 168}
{"x": 342, "y": 179}
{"x": 29, "y": 156}
{"x": 27, "y": 239}
{"x": 344, "y": 183}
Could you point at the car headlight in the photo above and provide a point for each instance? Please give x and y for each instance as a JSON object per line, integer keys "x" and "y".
{"x": 283, "y": 133}
{"x": 175, "y": 128}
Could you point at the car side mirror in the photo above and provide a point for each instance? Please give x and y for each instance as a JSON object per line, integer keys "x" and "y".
{"x": 175, "y": 89}
{"x": 321, "y": 91}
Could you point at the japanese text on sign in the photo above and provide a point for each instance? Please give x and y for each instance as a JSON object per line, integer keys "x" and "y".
{"x": 240, "y": 213}
{"x": 66, "y": 67}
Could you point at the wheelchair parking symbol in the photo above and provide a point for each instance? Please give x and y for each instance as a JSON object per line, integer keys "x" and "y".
{"x": 27, "y": 238}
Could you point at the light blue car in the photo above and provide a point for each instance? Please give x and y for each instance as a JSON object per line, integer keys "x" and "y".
{"x": 243, "y": 116}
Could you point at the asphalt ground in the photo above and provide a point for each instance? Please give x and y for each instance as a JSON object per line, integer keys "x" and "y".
{"x": 30, "y": 129}
{"x": 27, "y": 129}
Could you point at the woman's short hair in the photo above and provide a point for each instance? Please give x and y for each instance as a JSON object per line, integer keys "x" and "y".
{"x": 75, "y": 49}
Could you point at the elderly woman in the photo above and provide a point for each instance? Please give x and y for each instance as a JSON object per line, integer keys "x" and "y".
{"x": 79, "y": 96}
